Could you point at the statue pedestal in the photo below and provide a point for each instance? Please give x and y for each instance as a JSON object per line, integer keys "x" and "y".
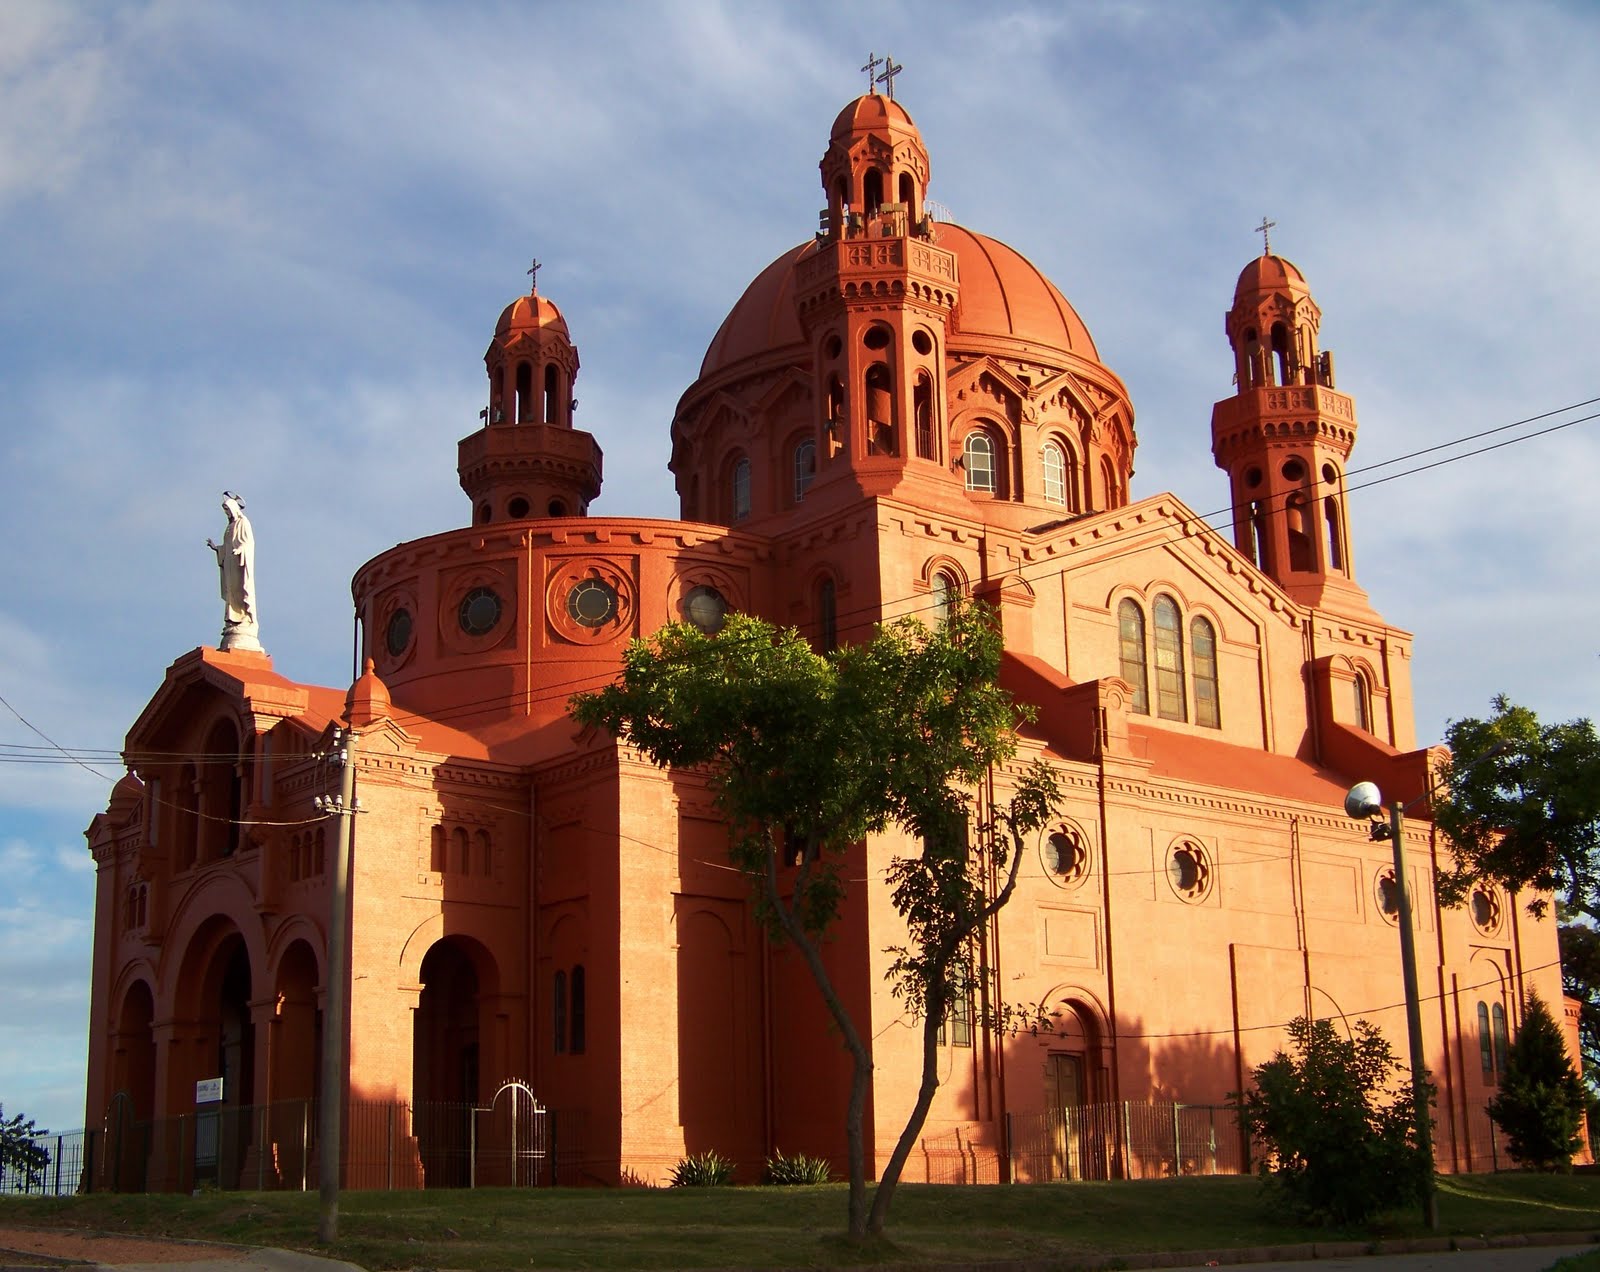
{"x": 241, "y": 639}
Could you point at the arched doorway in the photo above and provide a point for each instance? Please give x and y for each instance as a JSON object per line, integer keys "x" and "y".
{"x": 133, "y": 1086}
{"x": 1083, "y": 1131}
{"x": 294, "y": 1061}
{"x": 446, "y": 1061}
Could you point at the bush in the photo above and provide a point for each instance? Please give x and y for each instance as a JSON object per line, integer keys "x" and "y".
{"x": 22, "y": 1160}
{"x": 1540, "y": 1104}
{"x": 709, "y": 1169}
{"x": 1339, "y": 1141}
{"x": 798, "y": 1169}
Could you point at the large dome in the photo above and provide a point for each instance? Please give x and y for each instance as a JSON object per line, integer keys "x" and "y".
{"x": 1006, "y": 305}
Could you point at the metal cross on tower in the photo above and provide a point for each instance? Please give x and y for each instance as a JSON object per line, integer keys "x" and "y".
{"x": 890, "y": 70}
{"x": 1266, "y": 238}
{"x": 871, "y": 68}
{"x": 533, "y": 273}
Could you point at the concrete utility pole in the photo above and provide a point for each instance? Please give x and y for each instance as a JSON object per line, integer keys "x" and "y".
{"x": 343, "y": 807}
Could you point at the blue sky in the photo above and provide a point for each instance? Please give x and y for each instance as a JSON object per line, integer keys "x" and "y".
{"x": 262, "y": 247}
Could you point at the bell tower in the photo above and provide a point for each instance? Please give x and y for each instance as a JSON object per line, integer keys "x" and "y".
{"x": 528, "y": 461}
{"x": 874, "y": 299}
{"x": 1284, "y": 439}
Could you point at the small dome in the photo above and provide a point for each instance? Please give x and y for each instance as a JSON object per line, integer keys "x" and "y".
{"x": 1270, "y": 273}
{"x": 1004, "y": 297}
{"x": 126, "y": 796}
{"x": 530, "y": 313}
{"x": 873, "y": 113}
{"x": 368, "y": 699}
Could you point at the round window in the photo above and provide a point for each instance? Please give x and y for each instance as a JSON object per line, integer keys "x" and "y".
{"x": 518, "y": 509}
{"x": 1485, "y": 910}
{"x": 1065, "y": 856}
{"x": 1293, "y": 470}
{"x": 397, "y": 636}
{"x": 1189, "y": 872}
{"x": 592, "y": 603}
{"x": 479, "y": 611}
{"x": 706, "y": 608}
{"x": 1388, "y": 896}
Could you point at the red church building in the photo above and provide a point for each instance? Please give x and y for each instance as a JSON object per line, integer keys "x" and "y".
{"x": 896, "y": 411}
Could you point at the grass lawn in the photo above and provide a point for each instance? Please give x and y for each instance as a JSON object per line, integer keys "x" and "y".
{"x": 797, "y": 1227}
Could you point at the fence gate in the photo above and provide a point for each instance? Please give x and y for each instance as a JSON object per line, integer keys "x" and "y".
{"x": 511, "y": 1139}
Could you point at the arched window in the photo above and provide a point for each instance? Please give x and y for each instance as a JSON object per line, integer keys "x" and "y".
{"x": 741, "y": 489}
{"x": 1169, "y": 660}
{"x": 1298, "y": 524}
{"x": 880, "y": 411}
{"x": 1282, "y": 353}
{"x": 805, "y": 468}
{"x": 524, "y": 393}
{"x": 836, "y": 415}
{"x": 1054, "y": 463}
{"x": 872, "y": 191}
{"x": 1203, "y": 643}
{"x": 458, "y": 850}
{"x": 956, "y": 1028}
{"x": 1330, "y": 511}
{"x": 1501, "y": 1043}
{"x": 922, "y": 409}
{"x": 579, "y": 1008}
{"x": 485, "y": 852}
{"x": 945, "y": 590}
{"x": 908, "y": 193}
{"x": 1363, "y": 703}
{"x": 1108, "y": 483}
{"x": 558, "y": 1012}
{"x": 1261, "y": 554}
{"x": 977, "y": 458}
{"x": 827, "y": 617}
{"x": 1130, "y": 647}
{"x": 1485, "y": 1043}
{"x": 552, "y": 401}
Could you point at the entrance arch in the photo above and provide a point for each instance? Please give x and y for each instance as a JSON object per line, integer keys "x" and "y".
{"x": 457, "y": 976}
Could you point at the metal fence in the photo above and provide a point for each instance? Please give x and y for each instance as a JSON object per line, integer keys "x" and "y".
{"x": 1125, "y": 1140}
{"x": 512, "y": 1141}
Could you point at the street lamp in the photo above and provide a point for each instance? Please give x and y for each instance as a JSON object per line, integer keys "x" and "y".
{"x": 1364, "y": 802}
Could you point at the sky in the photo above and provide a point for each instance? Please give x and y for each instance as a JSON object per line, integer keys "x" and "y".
{"x": 263, "y": 248}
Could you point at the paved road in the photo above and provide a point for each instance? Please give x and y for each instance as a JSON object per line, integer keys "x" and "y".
{"x": 1515, "y": 1259}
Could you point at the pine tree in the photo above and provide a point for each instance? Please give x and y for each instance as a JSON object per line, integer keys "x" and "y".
{"x": 1540, "y": 1104}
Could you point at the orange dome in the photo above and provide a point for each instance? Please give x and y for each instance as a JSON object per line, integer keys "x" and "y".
{"x": 871, "y": 113}
{"x": 1004, "y": 298}
{"x": 529, "y": 313}
{"x": 1270, "y": 273}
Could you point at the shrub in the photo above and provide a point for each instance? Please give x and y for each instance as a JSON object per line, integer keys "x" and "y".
{"x": 21, "y": 1157}
{"x": 1337, "y": 1132}
{"x": 1540, "y": 1103}
{"x": 709, "y": 1169}
{"x": 798, "y": 1169}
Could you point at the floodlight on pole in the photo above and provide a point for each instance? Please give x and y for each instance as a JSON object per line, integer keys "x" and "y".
{"x": 1364, "y": 803}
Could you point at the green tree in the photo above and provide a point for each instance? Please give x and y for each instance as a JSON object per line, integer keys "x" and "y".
{"x": 22, "y": 1158}
{"x": 1520, "y": 805}
{"x": 808, "y": 755}
{"x": 1580, "y": 979}
{"x": 1336, "y": 1131}
{"x": 1540, "y": 1103}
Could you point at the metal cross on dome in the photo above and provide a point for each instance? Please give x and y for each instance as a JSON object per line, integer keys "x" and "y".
{"x": 1266, "y": 238}
{"x": 533, "y": 273}
{"x": 890, "y": 69}
{"x": 871, "y": 68}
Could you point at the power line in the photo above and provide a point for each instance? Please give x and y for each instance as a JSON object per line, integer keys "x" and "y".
{"x": 919, "y": 603}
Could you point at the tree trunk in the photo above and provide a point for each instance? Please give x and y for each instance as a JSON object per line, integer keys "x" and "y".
{"x": 861, "y": 1071}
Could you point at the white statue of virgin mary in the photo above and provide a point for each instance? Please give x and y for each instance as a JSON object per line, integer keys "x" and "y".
{"x": 236, "y": 559}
